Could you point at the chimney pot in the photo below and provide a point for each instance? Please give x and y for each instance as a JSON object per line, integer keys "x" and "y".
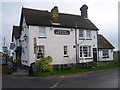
{"x": 83, "y": 10}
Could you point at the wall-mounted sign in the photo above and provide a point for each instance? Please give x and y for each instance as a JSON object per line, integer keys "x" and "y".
{"x": 61, "y": 32}
{"x": 35, "y": 46}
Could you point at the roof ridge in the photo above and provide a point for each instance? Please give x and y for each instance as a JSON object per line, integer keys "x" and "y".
{"x": 49, "y": 11}
{"x": 34, "y": 9}
{"x": 70, "y": 14}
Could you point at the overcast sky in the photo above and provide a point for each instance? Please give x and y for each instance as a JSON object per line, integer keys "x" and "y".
{"x": 103, "y": 13}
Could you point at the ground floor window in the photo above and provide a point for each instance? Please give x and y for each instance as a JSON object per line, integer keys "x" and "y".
{"x": 40, "y": 52}
{"x": 85, "y": 51}
{"x": 105, "y": 53}
{"x": 65, "y": 50}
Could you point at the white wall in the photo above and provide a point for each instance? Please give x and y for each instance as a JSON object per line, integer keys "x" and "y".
{"x": 106, "y": 59}
{"x": 92, "y": 43}
{"x": 25, "y": 44}
{"x": 16, "y": 44}
{"x": 53, "y": 44}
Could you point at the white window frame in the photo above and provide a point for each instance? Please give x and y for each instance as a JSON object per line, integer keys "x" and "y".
{"x": 85, "y": 52}
{"x": 40, "y": 51}
{"x": 65, "y": 48}
{"x": 105, "y": 53}
{"x": 88, "y": 34}
{"x": 82, "y": 36}
{"x": 42, "y": 32}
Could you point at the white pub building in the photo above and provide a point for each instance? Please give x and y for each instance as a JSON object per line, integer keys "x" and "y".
{"x": 67, "y": 38}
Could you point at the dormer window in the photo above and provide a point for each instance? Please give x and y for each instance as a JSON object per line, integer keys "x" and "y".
{"x": 42, "y": 32}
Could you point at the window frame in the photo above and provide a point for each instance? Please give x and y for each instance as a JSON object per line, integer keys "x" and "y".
{"x": 40, "y": 52}
{"x": 82, "y": 33}
{"x": 88, "y": 34}
{"x": 86, "y": 51}
{"x": 105, "y": 53}
{"x": 65, "y": 51}
{"x": 42, "y": 32}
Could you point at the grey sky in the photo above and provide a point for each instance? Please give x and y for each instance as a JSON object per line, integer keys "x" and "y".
{"x": 103, "y": 13}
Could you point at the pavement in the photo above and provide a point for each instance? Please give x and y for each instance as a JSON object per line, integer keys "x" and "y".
{"x": 20, "y": 72}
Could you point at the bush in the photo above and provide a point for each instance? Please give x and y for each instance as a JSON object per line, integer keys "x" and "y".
{"x": 43, "y": 65}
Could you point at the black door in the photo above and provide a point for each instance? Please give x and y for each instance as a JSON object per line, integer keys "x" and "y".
{"x": 95, "y": 54}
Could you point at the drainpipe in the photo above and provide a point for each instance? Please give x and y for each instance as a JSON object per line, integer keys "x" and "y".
{"x": 76, "y": 44}
{"x": 97, "y": 48}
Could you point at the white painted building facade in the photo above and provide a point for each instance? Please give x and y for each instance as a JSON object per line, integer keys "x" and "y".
{"x": 67, "y": 38}
{"x": 105, "y": 49}
{"x": 59, "y": 47}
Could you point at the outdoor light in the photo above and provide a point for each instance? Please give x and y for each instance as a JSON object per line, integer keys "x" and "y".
{"x": 51, "y": 28}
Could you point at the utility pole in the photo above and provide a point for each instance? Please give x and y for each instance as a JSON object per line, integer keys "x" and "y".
{"x": 4, "y": 42}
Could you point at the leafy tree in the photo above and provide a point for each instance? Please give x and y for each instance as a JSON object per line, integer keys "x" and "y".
{"x": 44, "y": 64}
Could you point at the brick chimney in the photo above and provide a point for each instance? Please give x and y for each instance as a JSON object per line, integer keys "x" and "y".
{"x": 83, "y": 10}
{"x": 54, "y": 14}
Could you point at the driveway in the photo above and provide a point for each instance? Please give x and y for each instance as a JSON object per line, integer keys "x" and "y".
{"x": 96, "y": 79}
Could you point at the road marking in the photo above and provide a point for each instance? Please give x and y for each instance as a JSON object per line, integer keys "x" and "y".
{"x": 62, "y": 76}
{"x": 55, "y": 85}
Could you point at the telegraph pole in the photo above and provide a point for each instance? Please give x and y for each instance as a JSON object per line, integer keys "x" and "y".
{"x": 4, "y": 42}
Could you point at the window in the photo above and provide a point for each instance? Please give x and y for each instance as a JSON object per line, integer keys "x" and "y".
{"x": 88, "y": 34}
{"x": 81, "y": 34}
{"x": 65, "y": 50}
{"x": 42, "y": 32}
{"x": 85, "y": 51}
{"x": 105, "y": 53}
{"x": 40, "y": 53}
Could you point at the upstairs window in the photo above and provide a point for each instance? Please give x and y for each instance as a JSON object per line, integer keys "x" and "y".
{"x": 42, "y": 32}
{"x": 81, "y": 34}
{"x": 88, "y": 34}
{"x": 105, "y": 53}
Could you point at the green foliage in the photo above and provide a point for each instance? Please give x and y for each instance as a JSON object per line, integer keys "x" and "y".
{"x": 43, "y": 65}
{"x": 77, "y": 70}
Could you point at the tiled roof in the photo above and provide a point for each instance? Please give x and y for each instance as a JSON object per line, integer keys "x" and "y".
{"x": 43, "y": 18}
{"x": 16, "y": 32}
{"x": 103, "y": 43}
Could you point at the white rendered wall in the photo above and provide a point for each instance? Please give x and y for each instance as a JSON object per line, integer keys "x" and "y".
{"x": 92, "y": 43}
{"x": 106, "y": 59}
{"x": 25, "y": 45}
{"x": 53, "y": 45}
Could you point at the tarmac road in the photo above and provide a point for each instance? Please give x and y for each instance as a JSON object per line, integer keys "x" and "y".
{"x": 96, "y": 79}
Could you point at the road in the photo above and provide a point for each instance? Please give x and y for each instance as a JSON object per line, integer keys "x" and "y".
{"x": 96, "y": 79}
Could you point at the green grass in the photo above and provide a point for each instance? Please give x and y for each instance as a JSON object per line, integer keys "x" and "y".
{"x": 77, "y": 70}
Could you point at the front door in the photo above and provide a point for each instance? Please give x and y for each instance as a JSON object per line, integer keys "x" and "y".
{"x": 95, "y": 54}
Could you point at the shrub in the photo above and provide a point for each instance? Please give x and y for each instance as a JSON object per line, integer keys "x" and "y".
{"x": 44, "y": 64}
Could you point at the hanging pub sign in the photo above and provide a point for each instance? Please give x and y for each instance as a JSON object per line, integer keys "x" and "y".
{"x": 61, "y": 32}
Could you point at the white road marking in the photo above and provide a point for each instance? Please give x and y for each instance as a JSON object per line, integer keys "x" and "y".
{"x": 55, "y": 85}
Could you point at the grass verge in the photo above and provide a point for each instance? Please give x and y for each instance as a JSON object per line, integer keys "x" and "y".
{"x": 77, "y": 70}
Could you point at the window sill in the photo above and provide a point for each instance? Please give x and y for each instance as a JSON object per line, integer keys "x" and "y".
{"x": 86, "y": 58}
{"x": 105, "y": 57}
{"x": 81, "y": 38}
{"x": 66, "y": 56}
{"x": 89, "y": 39}
{"x": 42, "y": 37}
